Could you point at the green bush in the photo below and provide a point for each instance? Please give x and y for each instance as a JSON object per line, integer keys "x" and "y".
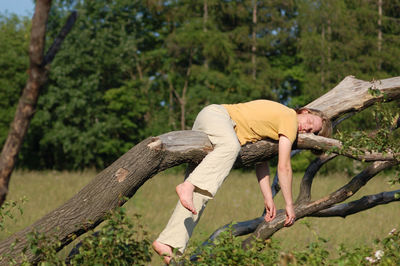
{"x": 389, "y": 254}
{"x": 117, "y": 243}
{"x": 124, "y": 242}
{"x": 8, "y": 209}
{"x": 354, "y": 256}
{"x": 227, "y": 250}
{"x": 315, "y": 254}
{"x": 43, "y": 246}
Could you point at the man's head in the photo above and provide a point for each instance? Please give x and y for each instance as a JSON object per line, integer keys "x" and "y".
{"x": 313, "y": 121}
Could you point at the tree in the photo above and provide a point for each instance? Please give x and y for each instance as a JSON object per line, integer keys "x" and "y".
{"x": 26, "y": 106}
{"x": 212, "y": 48}
{"x": 97, "y": 97}
{"x": 124, "y": 70}
{"x": 122, "y": 179}
{"x": 329, "y": 48}
{"x": 14, "y": 42}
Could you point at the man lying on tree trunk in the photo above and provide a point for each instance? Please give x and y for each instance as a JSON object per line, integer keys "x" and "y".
{"x": 228, "y": 127}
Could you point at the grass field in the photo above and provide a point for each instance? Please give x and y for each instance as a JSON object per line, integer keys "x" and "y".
{"x": 239, "y": 199}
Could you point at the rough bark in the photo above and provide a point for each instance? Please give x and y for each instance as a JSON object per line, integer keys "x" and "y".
{"x": 114, "y": 185}
{"x": 38, "y": 64}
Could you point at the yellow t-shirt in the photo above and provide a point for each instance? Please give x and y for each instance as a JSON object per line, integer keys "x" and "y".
{"x": 262, "y": 119}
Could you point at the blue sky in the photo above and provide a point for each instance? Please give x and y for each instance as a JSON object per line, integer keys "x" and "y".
{"x": 19, "y": 7}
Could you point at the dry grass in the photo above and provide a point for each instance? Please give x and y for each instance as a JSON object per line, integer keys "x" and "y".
{"x": 238, "y": 199}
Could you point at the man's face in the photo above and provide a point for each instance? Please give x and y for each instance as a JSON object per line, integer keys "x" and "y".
{"x": 309, "y": 123}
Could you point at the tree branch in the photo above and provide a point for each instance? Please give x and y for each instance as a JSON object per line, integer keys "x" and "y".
{"x": 266, "y": 230}
{"x": 352, "y": 95}
{"x": 55, "y": 47}
{"x": 352, "y": 187}
{"x": 265, "y": 149}
{"x": 311, "y": 171}
{"x": 365, "y": 203}
{"x": 311, "y": 141}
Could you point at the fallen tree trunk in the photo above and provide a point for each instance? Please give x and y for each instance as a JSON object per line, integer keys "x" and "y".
{"x": 122, "y": 179}
{"x": 118, "y": 182}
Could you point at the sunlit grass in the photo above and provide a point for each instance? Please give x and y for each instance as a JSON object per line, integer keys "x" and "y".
{"x": 238, "y": 199}
{"x": 43, "y": 191}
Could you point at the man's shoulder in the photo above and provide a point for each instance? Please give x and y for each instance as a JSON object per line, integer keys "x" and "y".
{"x": 265, "y": 108}
{"x": 274, "y": 106}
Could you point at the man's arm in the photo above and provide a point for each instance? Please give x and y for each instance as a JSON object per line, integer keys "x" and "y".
{"x": 262, "y": 172}
{"x": 285, "y": 177}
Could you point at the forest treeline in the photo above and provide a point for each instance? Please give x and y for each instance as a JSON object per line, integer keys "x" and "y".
{"x": 132, "y": 69}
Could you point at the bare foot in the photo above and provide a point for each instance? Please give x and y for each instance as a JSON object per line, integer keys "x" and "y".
{"x": 185, "y": 193}
{"x": 163, "y": 250}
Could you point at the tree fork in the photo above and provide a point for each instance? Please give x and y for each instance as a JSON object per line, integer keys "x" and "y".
{"x": 266, "y": 230}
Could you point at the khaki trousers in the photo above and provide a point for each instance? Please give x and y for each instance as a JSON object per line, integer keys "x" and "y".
{"x": 207, "y": 177}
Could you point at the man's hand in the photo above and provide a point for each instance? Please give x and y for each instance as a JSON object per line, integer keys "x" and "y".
{"x": 270, "y": 210}
{"x": 285, "y": 177}
{"x": 290, "y": 215}
{"x": 262, "y": 172}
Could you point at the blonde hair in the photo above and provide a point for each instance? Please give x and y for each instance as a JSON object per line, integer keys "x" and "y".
{"x": 326, "y": 130}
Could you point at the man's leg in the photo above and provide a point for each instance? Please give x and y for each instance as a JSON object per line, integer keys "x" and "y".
{"x": 206, "y": 178}
{"x": 163, "y": 250}
{"x": 180, "y": 227}
{"x": 185, "y": 193}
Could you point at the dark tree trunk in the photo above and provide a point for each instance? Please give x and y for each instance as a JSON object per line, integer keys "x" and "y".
{"x": 28, "y": 100}
{"x": 38, "y": 64}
